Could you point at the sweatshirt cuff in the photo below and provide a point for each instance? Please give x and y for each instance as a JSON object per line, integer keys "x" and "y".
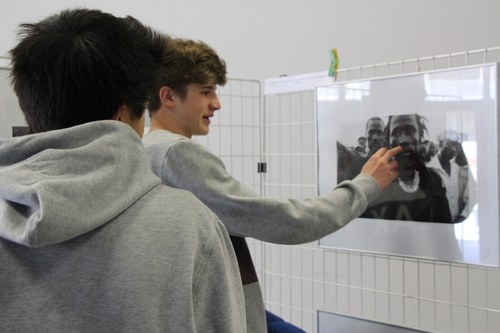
{"x": 369, "y": 185}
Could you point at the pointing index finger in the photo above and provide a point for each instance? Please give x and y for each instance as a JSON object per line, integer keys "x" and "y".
{"x": 393, "y": 152}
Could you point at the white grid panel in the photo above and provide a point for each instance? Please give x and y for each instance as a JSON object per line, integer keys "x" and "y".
{"x": 299, "y": 280}
{"x": 236, "y": 137}
{"x": 235, "y": 133}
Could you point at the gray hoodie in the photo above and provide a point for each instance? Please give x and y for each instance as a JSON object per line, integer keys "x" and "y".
{"x": 91, "y": 242}
{"x": 186, "y": 164}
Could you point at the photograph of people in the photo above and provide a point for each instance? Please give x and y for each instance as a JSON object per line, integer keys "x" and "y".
{"x": 430, "y": 169}
{"x": 419, "y": 193}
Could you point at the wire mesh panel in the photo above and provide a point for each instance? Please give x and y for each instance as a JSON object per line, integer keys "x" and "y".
{"x": 235, "y": 136}
{"x": 290, "y": 272}
{"x": 299, "y": 281}
{"x": 289, "y": 128}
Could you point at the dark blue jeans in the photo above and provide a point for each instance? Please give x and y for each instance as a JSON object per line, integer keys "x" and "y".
{"x": 276, "y": 324}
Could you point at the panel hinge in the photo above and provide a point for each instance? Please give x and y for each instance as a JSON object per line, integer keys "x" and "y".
{"x": 261, "y": 167}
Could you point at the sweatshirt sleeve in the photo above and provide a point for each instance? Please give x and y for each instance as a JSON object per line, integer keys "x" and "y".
{"x": 216, "y": 309}
{"x": 191, "y": 166}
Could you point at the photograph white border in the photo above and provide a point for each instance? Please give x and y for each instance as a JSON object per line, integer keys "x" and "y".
{"x": 463, "y": 99}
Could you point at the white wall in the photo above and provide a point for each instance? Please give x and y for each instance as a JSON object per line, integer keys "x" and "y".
{"x": 267, "y": 38}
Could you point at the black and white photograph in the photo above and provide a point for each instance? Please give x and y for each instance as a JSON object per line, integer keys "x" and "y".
{"x": 434, "y": 184}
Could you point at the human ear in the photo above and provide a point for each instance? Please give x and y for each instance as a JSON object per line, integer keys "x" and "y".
{"x": 121, "y": 113}
{"x": 166, "y": 95}
{"x": 125, "y": 116}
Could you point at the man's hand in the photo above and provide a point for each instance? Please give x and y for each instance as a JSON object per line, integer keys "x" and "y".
{"x": 382, "y": 166}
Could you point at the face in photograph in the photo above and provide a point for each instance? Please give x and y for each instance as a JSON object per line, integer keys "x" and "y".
{"x": 374, "y": 134}
{"x": 404, "y": 132}
{"x": 449, "y": 149}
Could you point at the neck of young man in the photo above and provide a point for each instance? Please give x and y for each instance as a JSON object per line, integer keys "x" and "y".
{"x": 168, "y": 124}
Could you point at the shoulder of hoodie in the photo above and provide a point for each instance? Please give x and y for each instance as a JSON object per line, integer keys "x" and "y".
{"x": 165, "y": 203}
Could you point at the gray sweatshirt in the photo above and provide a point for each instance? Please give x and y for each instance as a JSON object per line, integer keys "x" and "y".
{"x": 184, "y": 163}
{"x": 90, "y": 241}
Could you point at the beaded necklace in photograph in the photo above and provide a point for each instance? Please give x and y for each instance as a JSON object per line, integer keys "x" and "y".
{"x": 410, "y": 186}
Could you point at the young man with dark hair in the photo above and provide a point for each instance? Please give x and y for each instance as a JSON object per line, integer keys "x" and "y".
{"x": 184, "y": 103}
{"x": 90, "y": 241}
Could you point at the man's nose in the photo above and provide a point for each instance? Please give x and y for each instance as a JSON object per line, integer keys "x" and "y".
{"x": 404, "y": 138}
{"x": 215, "y": 105}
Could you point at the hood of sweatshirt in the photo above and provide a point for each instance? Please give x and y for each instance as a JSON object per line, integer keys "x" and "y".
{"x": 60, "y": 184}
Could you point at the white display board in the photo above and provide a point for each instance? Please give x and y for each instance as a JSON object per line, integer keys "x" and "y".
{"x": 459, "y": 104}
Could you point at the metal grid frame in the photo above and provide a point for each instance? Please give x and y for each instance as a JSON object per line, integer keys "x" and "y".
{"x": 300, "y": 280}
{"x": 236, "y": 137}
{"x": 235, "y": 134}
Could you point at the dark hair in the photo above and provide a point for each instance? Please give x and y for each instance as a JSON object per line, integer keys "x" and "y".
{"x": 187, "y": 61}
{"x": 372, "y": 119}
{"x": 81, "y": 65}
